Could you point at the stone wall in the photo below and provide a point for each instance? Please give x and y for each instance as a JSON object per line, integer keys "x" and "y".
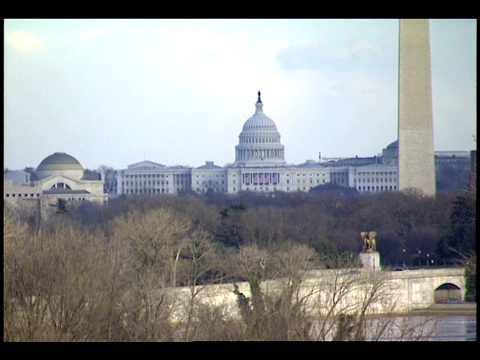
{"x": 400, "y": 291}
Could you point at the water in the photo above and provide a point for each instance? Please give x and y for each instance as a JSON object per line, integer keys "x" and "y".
{"x": 455, "y": 328}
{"x": 437, "y": 328}
{"x": 446, "y": 328}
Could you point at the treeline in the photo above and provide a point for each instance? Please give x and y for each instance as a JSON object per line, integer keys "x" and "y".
{"x": 412, "y": 229}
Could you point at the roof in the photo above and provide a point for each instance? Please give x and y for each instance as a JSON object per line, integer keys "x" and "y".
{"x": 146, "y": 165}
{"x": 65, "y": 192}
{"x": 18, "y": 177}
{"x": 311, "y": 164}
{"x": 377, "y": 167}
{"x": 59, "y": 161}
{"x": 259, "y": 121}
{"x": 209, "y": 166}
{"x": 91, "y": 176}
{"x": 393, "y": 145}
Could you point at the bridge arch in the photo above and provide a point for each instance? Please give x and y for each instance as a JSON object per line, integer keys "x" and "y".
{"x": 447, "y": 292}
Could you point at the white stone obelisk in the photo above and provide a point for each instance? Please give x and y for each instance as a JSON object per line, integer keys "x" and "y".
{"x": 416, "y": 158}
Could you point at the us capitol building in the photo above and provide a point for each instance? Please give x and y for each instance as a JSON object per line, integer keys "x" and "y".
{"x": 260, "y": 166}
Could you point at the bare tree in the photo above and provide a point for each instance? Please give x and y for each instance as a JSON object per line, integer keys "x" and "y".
{"x": 275, "y": 310}
{"x": 53, "y": 285}
{"x": 109, "y": 177}
{"x": 157, "y": 237}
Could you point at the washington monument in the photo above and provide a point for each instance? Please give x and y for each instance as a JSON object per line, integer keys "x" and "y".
{"x": 416, "y": 162}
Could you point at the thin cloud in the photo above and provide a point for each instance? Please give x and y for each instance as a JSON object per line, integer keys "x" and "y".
{"x": 361, "y": 54}
{"x": 25, "y": 43}
{"x": 366, "y": 46}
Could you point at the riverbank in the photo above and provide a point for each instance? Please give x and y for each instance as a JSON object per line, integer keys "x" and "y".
{"x": 449, "y": 309}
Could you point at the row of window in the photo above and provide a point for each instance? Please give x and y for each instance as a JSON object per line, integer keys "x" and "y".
{"x": 377, "y": 188}
{"x": 146, "y": 191}
{"x": 24, "y": 195}
{"x": 267, "y": 189}
{"x": 261, "y": 178}
{"x": 268, "y": 140}
{"x": 376, "y": 173}
{"x": 394, "y": 179}
{"x": 311, "y": 174}
{"x": 270, "y": 127}
{"x": 311, "y": 181}
{"x": 203, "y": 175}
{"x": 210, "y": 181}
{"x": 145, "y": 183}
{"x": 38, "y": 195}
{"x": 260, "y": 154}
{"x": 145, "y": 176}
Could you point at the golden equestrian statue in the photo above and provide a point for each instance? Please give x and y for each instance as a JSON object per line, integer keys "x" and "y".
{"x": 369, "y": 241}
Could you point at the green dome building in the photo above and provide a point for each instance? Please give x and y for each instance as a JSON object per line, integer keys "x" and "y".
{"x": 60, "y": 163}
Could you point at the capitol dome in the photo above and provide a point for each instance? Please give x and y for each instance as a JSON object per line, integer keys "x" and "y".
{"x": 259, "y": 121}
{"x": 259, "y": 141}
{"x": 60, "y": 163}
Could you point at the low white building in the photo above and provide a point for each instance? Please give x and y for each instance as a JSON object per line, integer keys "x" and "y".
{"x": 376, "y": 178}
{"x": 148, "y": 178}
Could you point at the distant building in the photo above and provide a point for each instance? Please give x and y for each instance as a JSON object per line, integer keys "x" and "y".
{"x": 147, "y": 177}
{"x": 58, "y": 176}
{"x": 453, "y": 170}
{"x": 377, "y": 178}
{"x": 390, "y": 154}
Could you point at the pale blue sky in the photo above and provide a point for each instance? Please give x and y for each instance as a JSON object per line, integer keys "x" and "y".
{"x": 115, "y": 92}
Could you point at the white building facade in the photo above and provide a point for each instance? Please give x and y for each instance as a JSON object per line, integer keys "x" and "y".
{"x": 149, "y": 178}
{"x": 376, "y": 178}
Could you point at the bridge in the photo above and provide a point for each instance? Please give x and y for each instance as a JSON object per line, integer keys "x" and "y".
{"x": 422, "y": 288}
{"x": 344, "y": 290}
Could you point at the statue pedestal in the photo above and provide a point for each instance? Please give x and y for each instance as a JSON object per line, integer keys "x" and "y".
{"x": 370, "y": 260}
